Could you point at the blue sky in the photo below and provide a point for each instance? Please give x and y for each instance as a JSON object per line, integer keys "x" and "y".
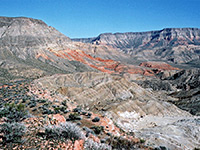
{"x": 89, "y": 18}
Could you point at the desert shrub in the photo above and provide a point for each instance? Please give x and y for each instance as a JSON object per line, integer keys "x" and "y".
{"x": 96, "y": 119}
{"x": 64, "y": 103}
{"x": 53, "y": 131}
{"x": 103, "y": 140}
{"x": 121, "y": 143}
{"x": 42, "y": 101}
{"x": 84, "y": 113}
{"x": 45, "y": 109}
{"x": 77, "y": 109}
{"x": 89, "y": 114}
{"x": 65, "y": 130}
{"x": 62, "y": 108}
{"x": 161, "y": 148}
{"x": 56, "y": 110}
{"x": 13, "y": 112}
{"x": 142, "y": 141}
{"x": 23, "y": 100}
{"x": 109, "y": 134}
{"x": 88, "y": 131}
{"x": 33, "y": 104}
{"x": 65, "y": 111}
{"x": 59, "y": 109}
{"x": 74, "y": 116}
{"x": 71, "y": 131}
{"x": 79, "y": 123}
{"x": 91, "y": 145}
{"x": 97, "y": 129}
{"x": 12, "y": 132}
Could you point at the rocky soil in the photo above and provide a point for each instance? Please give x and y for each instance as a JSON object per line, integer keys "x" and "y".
{"x": 40, "y": 111}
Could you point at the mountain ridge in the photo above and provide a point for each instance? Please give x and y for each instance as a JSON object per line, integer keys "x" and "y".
{"x": 137, "y": 32}
{"x": 176, "y": 45}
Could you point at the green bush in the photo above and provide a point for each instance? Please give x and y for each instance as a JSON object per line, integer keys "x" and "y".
{"x": 13, "y": 112}
{"x": 12, "y": 132}
{"x": 142, "y": 141}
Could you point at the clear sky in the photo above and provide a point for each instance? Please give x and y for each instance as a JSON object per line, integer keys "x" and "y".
{"x": 89, "y": 18}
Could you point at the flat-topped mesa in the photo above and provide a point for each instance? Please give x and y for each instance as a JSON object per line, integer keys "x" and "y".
{"x": 177, "y": 45}
{"x": 191, "y": 34}
{"x": 7, "y": 20}
{"x": 22, "y": 31}
{"x": 22, "y": 26}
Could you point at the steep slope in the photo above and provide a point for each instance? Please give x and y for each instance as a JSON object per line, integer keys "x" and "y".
{"x": 177, "y": 45}
{"x": 24, "y": 44}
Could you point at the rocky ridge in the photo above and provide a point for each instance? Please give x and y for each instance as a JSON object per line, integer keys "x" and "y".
{"x": 31, "y": 49}
{"x": 177, "y": 45}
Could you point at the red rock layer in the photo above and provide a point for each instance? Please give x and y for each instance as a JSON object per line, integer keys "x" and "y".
{"x": 108, "y": 65}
